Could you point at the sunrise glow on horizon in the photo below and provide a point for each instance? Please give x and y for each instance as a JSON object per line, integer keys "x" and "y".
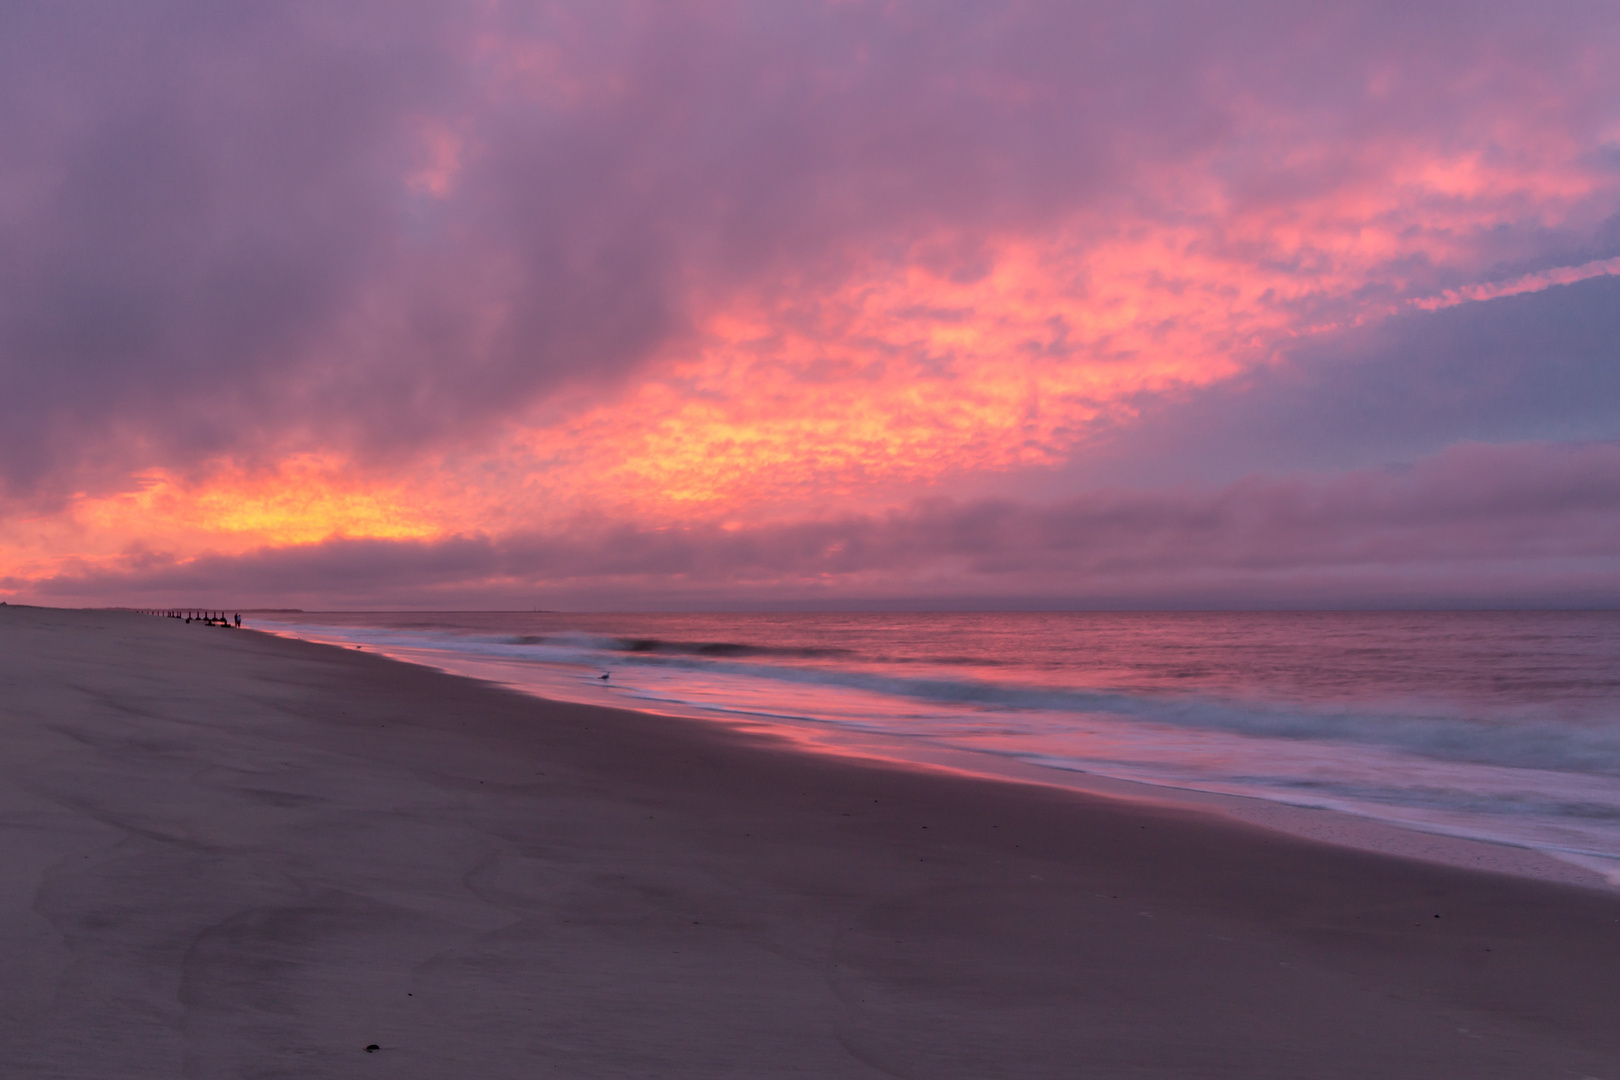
{"x": 630, "y": 304}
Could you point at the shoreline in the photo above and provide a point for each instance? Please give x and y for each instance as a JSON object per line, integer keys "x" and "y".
{"x": 1327, "y": 825}
{"x": 238, "y": 854}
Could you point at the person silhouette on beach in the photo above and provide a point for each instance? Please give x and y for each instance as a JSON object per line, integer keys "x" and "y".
{"x": 239, "y": 620}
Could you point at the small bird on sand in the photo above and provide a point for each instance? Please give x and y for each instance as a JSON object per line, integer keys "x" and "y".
{"x": 605, "y": 676}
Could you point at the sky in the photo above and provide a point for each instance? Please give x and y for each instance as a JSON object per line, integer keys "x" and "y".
{"x": 621, "y": 305}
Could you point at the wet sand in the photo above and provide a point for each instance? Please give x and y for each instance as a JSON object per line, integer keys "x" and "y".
{"x": 227, "y": 854}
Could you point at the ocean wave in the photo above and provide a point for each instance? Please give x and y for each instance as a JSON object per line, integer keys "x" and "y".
{"x": 733, "y": 649}
{"x": 674, "y": 648}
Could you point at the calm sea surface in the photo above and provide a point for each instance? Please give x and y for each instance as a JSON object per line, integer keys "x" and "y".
{"x": 1495, "y": 725}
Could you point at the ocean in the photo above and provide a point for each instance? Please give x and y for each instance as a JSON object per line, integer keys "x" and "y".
{"x": 1500, "y": 726}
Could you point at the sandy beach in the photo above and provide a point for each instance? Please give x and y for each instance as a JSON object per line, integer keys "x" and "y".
{"x": 228, "y": 854}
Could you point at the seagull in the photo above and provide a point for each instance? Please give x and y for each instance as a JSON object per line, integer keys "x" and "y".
{"x": 605, "y": 676}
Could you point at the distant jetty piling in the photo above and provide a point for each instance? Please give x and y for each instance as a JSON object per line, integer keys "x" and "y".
{"x": 207, "y": 617}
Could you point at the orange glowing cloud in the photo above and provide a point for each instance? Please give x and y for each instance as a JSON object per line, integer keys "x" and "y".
{"x": 305, "y": 499}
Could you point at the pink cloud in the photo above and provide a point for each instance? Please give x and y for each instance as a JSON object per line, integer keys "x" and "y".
{"x": 1525, "y": 283}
